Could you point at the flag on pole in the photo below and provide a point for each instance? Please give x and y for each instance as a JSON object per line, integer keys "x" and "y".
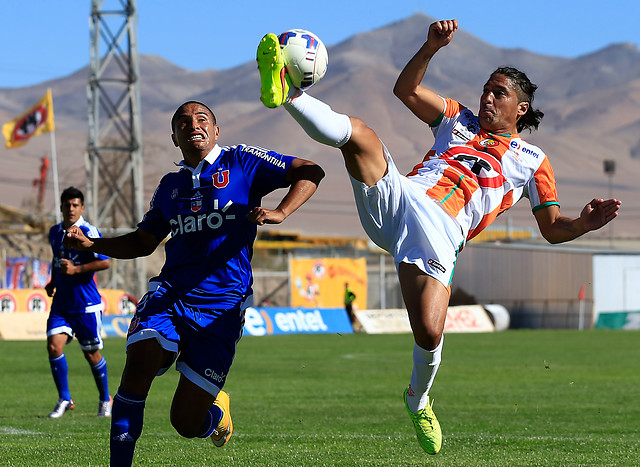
{"x": 38, "y": 119}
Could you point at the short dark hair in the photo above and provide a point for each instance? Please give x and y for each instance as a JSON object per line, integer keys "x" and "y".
{"x": 175, "y": 114}
{"x": 71, "y": 193}
{"x": 525, "y": 90}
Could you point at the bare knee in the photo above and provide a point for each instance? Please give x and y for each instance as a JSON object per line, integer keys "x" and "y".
{"x": 360, "y": 129}
{"x": 364, "y": 155}
{"x": 55, "y": 345}
{"x": 93, "y": 357}
{"x": 428, "y": 340}
{"x": 53, "y": 350}
{"x": 426, "y": 300}
{"x": 427, "y": 332}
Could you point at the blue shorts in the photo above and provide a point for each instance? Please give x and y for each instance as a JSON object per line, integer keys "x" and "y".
{"x": 85, "y": 325}
{"x": 204, "y": 343}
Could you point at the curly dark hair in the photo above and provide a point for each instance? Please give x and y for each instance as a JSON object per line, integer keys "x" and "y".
{"x": 525, "y": 90}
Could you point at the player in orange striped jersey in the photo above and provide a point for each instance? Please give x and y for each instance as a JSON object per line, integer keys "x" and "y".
{"x": 478, "y": 167}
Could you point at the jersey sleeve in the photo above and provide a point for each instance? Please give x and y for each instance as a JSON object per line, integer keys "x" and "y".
{"x": 541, "y": 189}
{"x": 266, "y": 170}
{"x": 446, "y": 122}
{"x": 154, "y": 220}
{"x": 91, "y": 231}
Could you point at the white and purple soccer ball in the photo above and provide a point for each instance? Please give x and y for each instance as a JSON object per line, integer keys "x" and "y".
{"x": 305, "y": 57}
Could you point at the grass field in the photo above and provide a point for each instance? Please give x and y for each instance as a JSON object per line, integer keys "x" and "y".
{"x": 516, "y": 398}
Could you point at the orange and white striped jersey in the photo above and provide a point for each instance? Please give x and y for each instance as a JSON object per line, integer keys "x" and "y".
{"x": 476, "y": 175}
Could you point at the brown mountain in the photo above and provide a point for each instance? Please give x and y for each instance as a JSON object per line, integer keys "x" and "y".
{"x": 591, "y": 105}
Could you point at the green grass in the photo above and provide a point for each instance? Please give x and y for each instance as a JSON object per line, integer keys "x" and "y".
{"x": 517, "y": 398}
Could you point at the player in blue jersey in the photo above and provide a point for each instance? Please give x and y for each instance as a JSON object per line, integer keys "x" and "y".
{"x": 194, "y": 310}
{"x": 76, "y": 308}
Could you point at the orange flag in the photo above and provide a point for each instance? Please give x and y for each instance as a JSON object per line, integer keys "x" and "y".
{"x": 38, "y": 119}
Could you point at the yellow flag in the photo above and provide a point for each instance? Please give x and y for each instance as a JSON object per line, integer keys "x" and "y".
{"x": 38, "y": 119}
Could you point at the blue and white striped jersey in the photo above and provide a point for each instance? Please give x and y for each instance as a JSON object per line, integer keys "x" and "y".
{"x": 208, "y": 254}
{"x": 77, "y": 292}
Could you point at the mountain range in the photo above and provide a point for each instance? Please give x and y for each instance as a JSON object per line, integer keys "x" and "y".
{"x": 591, "y": 105}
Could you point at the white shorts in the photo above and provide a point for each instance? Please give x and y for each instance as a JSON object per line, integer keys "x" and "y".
{"x": 400, "y": 218}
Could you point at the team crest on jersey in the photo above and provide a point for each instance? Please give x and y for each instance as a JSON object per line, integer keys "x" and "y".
{"x": 221, "y": 178}
{"x": 489, "y": 143}
{"x": 135, "y": 321}
{"x": 196, "y": 202}
{"x": 174, "y": 193}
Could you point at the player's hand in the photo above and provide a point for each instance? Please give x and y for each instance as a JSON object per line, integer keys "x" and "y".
{"x": 441, "y": 32}
{"x": 599, "y": 212}
{"x": 67, "y": 267}
{"x": 261, "y": 216}
{"x": 75, "y": 239}
{"x": 49, "y": 288}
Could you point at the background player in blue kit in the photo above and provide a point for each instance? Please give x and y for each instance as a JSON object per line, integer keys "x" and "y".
{"x": 194, "y": 310}
{"x": 76, "y": 307}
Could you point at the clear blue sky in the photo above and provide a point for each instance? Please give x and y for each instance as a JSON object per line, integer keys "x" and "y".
{"x": 46, "y": 39}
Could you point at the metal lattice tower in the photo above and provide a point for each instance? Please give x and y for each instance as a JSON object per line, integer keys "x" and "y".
{"x": 114, "y": 148}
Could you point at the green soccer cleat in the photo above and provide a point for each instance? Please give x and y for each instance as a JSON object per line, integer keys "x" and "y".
{"x": 223, "y": 431}
{"x": 274, "y": 81}
{"x": 427, "y": 427}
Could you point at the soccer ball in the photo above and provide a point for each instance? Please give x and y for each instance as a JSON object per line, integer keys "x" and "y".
{"x": 305, "y": 57}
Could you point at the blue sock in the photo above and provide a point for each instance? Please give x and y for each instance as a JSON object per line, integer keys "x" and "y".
{"x": 211, "y": 423}
{"x": 126, "y": 426}
{"x": 100, "y": 375}
{"x": 59, "y": 370}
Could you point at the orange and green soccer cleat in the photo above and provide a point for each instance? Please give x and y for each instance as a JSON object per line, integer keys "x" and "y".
{"x": 223, "y": 431}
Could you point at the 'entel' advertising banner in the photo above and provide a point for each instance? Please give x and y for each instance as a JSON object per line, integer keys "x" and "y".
{"x": 264, "y": 322}
{"x": 268, "y": 321}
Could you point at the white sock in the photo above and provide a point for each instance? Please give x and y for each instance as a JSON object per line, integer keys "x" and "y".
{"x": 319, "y": 121}
{"x": 425, "y": 367}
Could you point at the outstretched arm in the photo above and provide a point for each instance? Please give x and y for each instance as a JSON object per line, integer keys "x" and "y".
{"x": 304, "y": 177}
{"x": 423, "y": 102}
{"x": 132, "y": 245}
{"x": 557, "y": 229}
